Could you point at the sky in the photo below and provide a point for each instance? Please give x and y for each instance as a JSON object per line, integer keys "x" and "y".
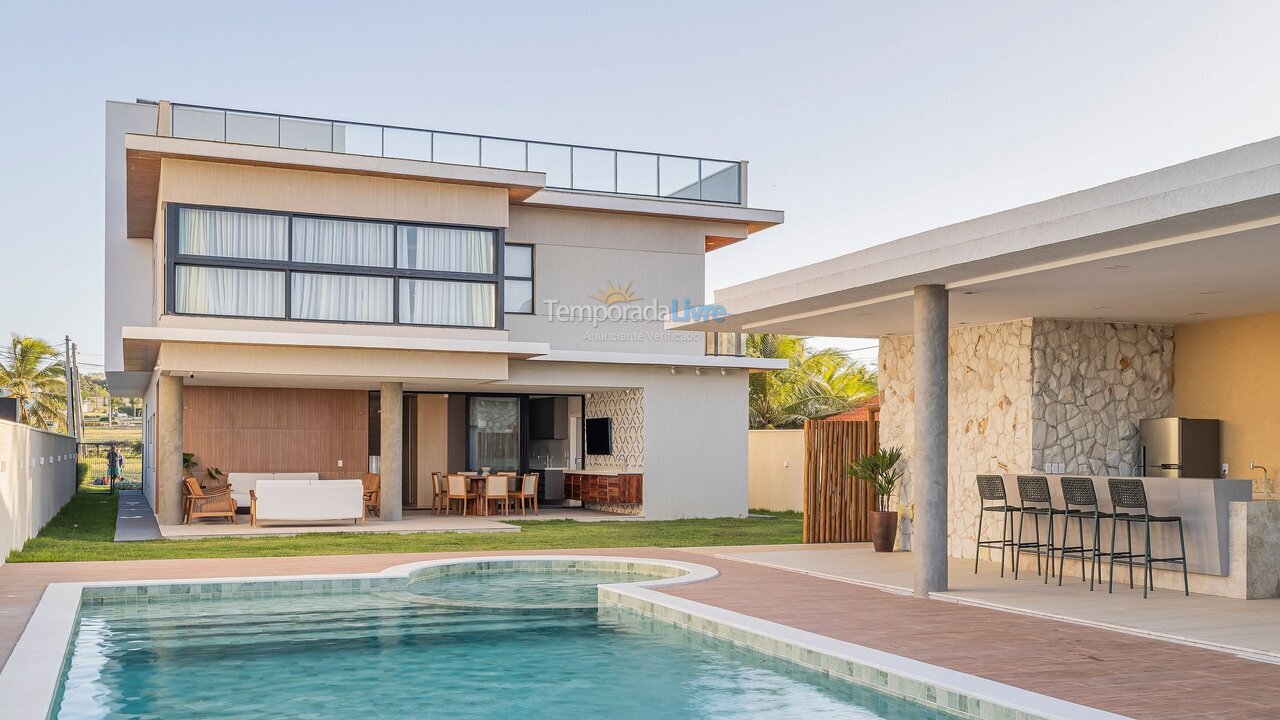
{"x": 864, "y": 121}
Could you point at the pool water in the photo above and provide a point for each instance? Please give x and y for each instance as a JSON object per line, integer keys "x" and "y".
{"x": 501, "y": 588}
{"x": 384, "y": 655}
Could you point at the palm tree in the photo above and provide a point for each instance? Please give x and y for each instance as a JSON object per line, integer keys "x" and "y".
{"x": 815, "y": 383}
{"x": 31, "y": 370}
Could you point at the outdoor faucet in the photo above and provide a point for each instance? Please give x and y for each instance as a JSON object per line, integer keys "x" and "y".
{"x": 1266, "y": 482}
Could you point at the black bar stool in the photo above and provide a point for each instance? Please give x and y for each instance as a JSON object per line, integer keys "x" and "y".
{"x": 1081, "y": 503}
{"x": 1033, "y": 493}
{"x": 991, "y": 490}
{"x": 1132, "y": 495}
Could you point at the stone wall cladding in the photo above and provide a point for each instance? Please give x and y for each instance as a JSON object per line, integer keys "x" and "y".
{"x": 1091, "y": 384}
{"x": 896, "y": 373}
{"x": 989, "y": 395}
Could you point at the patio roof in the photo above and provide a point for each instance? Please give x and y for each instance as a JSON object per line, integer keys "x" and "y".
{"x": 1194, "y": 241}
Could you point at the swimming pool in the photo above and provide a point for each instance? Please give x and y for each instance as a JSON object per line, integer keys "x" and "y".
{"x": 466, "y": 639}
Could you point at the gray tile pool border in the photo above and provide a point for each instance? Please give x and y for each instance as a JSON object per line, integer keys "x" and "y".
{"x": 29, "y": 680}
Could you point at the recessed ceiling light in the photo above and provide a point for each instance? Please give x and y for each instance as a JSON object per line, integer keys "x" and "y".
{"x": 1116, "y": 267}
{"x": 1211, "y": 292}
{"x": 863, "y": 314}
{"x": 1102, "y": 307}
{"x": 1194, "y": 314}
{"x": 972, "y": 292}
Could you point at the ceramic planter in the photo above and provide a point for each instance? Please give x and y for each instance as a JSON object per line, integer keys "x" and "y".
{"x": 884, "y": 530}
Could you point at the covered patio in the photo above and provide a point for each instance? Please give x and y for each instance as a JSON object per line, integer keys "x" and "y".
{"x": 1034, "y": 340}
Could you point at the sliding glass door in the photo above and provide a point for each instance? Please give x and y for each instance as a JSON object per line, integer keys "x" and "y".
{"x": 493, "y": 433}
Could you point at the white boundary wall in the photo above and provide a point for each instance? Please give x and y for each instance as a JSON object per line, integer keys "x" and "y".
{"x": 37, "y": 477}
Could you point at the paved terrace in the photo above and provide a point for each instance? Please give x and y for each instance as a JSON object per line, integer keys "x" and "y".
{"x": 1134, "y": 676}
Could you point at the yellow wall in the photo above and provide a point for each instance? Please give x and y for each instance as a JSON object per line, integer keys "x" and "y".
{"x": 775, "y": 469}
{"x": 1230, "y": 369}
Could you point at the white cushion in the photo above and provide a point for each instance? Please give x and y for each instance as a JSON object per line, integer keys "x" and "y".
{"x": 241, "y": 483}
{"x": 296, "y": 476}
{"x": 309, "y": 499}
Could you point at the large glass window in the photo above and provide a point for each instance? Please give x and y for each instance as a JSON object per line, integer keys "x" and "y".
{"x": 517, "y": 283}
{"x": 445, "y": 249}
{"x": 349, "y": 298}
{"x": 493, "y": 433}
{"x": 228, "y": 291}
{"x": 229, "y": 234}
{"x": 278, "y": 265}
{"x": 446, "y": 302}
{"x": 342, "y": 242}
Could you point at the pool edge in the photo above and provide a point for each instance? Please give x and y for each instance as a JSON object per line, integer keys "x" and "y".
{"x": 932, "y": 686}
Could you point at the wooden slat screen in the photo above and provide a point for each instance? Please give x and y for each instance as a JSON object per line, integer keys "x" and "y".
{"x": 242, "y": 429}
{"x": 836, "y": 507}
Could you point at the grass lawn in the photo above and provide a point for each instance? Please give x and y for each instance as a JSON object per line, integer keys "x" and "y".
{"x": 114, "y": 433}
{"x": 85, "y": 529}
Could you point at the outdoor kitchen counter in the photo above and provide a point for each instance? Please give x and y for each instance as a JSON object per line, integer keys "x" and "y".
{"x": 1204, "y": 504}
{"x": 624, "y": 487}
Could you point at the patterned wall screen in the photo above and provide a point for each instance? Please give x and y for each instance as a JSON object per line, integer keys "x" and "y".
{"x": 626, "y": 407}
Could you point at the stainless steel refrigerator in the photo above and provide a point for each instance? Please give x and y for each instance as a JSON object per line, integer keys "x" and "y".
{"x": 1181, "y": 447}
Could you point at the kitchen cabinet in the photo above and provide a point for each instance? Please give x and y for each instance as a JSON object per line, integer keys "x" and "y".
{"x": 617, "y": 488}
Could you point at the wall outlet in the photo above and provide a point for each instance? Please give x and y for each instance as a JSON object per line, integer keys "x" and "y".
{"x": 1225, "y": 469}
{"x": 339, "y": 463}
{"x": 786, "y": 463}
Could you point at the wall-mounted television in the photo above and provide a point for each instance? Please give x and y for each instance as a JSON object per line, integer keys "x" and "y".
{"x": 599, "y": 436}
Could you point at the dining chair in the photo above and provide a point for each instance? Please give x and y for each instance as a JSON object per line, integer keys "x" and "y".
{"x": 527, "y": 491}
{"x": 439, "y": 493}
{"x": 459, "y": 489}
{"x": 495, "y": 490}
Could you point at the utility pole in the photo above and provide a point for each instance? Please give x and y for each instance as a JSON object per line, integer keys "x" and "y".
{"x": 66, "y": 367}
{"x": 78, "y": 394}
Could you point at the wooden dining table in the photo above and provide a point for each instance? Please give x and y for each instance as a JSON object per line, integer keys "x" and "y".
{"x": 476, "y": 482}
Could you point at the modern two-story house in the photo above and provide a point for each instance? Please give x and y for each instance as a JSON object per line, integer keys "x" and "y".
{"x": 293, "y": 294}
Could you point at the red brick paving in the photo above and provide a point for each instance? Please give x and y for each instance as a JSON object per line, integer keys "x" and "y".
{"x": 1125, "y": 674}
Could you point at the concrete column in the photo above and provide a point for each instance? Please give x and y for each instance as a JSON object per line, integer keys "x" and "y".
{"x": 929, "y": 456}
{"x": 392, "y": 414}
{"x": 169, "y": 450}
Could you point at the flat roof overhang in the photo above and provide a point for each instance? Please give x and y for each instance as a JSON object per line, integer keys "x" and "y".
{"x": 750, "y": 220}
{"x": 1195, "y": 241}
{"x": 282, "y": 359}
{"x": 143, "y": 154}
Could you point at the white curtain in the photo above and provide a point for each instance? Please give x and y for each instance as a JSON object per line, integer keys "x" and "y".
{"x": 228, "y": 291}
{"x": 445, "y": 302}
{"x": 223, "y": 233}
{"x": 343, "y": 242}
{"x": 446, "y": 249}
{"x": 341, "y": 297}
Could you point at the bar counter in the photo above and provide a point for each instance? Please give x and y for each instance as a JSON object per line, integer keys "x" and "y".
{"x": 1204, "y": 504}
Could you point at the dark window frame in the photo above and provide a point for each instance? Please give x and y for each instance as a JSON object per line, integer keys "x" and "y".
{"x": 533, "y": 283}
{"x": 173, "y": 259}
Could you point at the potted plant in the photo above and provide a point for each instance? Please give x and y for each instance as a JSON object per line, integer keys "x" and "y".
{"x": 216, "y": 477}
{"x": 188, "y": 464}
{"x": 880, "y": 471}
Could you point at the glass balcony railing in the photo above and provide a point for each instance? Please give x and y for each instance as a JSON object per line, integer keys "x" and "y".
{"x": 726, "y": 344}
{"x": 568, "y": 167}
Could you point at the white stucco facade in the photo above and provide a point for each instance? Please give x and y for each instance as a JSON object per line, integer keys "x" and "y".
{"x": 680, "y": 416}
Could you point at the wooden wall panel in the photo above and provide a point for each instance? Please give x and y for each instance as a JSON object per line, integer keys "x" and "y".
{"x": 277, "y": 429}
